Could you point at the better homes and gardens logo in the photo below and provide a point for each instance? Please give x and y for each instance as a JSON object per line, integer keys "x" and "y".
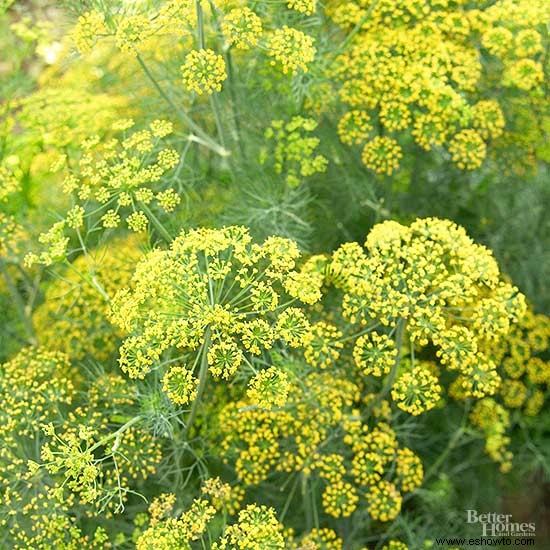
{"x": 500, "y": 525}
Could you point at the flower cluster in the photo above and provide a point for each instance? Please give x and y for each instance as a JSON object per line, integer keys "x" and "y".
{"x": 290, "y": 440}
{"x": 374, "y": 354}
{"x": 294, "y": 151}
{"x": 203, "y": 71}
{"x": 99, "y": 463}
{"x": 303, "y": 6}
{"x": 30, "y": 382}
{"x": 242, "y": 28}
{"x": 413, "y": 69}
{"x": 522, "y": 364}
{"x": 112, "y": 178}
{"x": 417, "y": 390}
{"x": 132, "y": 31}
{"x": 269, "y": 388}
{"x": 382, "y": 154}
{"x": 292, "y": 48}
{"x": 66, "y": 448}
{"x": 493, "y": 419}
{"x": 256, "y": 527}
{"x": 214, "y": 295}
{"x": 89, "y": 28}
{"x": 433, "y": 279}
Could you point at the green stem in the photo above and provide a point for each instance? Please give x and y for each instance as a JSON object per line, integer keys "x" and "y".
{"x": 200, "y": 24}
{"x": 356, "y": 335}
{"x": 202, "y": 137}
{"x": 450, "y": 446}
{"x": 213, "y": 100}
{"x": 158, "y": 226}
{"x": 203, "y": 373}
{"x": 289, "y": 498}
{"x": 234, "y": 104}
{"x": 93, "y": 279}
{"x": 307, "y": 502}
{"x": 443, "y": 456}
{"x": 116, "y": 434}
{"x": 217, "y": 118}
{"x": 19, "y": 303}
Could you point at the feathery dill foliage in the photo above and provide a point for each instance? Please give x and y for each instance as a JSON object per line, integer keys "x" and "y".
{"x": 248, "y": 297}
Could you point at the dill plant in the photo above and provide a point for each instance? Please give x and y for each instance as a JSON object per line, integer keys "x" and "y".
{"x": 247, "y": 287}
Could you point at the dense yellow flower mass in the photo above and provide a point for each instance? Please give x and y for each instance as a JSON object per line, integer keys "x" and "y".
{"x": 229, "y": 319}
{"x": 51, "y": 431}
{"x": 291, "y": 439}
{"x": 242, "y": 27}
{"x": 431, "y": 278}
{"x": 269, "y": 388}
{"x": 213, "y": 293}
{"x": 374, "y": 354}
{"x": 382, "y": 155}
{"x": 256, "y": 527}
{"x": 417, "y": 390}
{"x": 90, "y": 26}
{"x": 423, "y": 69}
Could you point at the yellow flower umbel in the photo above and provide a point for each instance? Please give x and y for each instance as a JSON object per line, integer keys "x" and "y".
{"x": 166, "y": 532}
{"x": 354, "y": 127}
{"x": 524, "y": 74}
{"x": 180, "y": 385}
{"x": 468, "y": 150}
{"x": 203, "y": 71}
{"x": 382, "y": 155}
{"x": 384, "y": 501}
{"x": 417, "y": 390}
{"x": 519, "y": 356}
{"x": 302, "y": 6}
{"x": 429, "y": 281}
{"x": 323, "y": 538}
{"x": 410, "y": 470}
{"x": 242, "y": 28}
{"x": 294, "y": 151}
{"x": 323, "y": 345}
{"x": 256, "y": 528}
{"x": 89, "y": 28}
{"x": 493, "y": 420}
{"x": 269, "y": 388}
{"x": 131, "y": 31}
{"x": 374, "y": 354}
{"x": 214, "y": 301}
{"x": 293, "y": 49}
{"x": 34, "y": 384}
{"x": 340, "y": 499}
{"x": 417, "y": 70}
